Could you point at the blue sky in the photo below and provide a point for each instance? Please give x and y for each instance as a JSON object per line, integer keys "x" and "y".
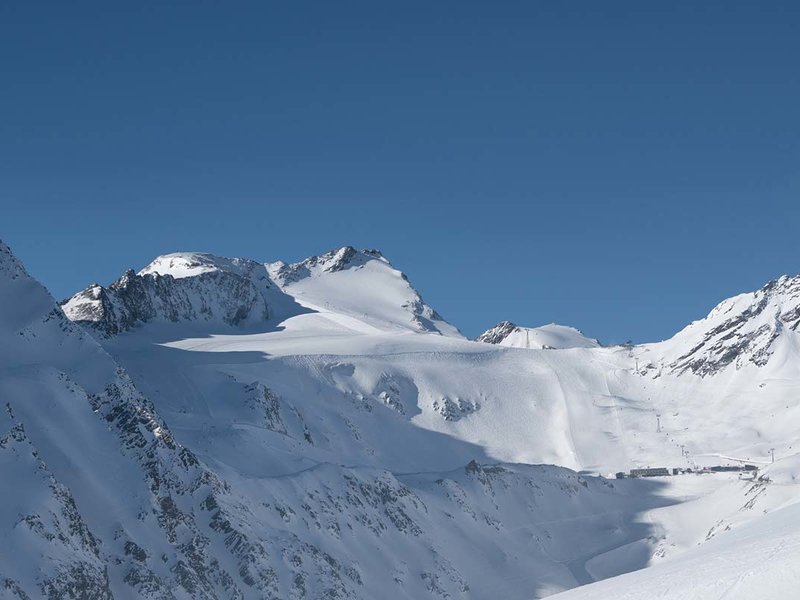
{"x": 617, "y": 166}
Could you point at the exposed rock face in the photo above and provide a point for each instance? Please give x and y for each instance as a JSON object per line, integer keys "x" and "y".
{"x": 546, "y": 337}
{"x": 221, "y": 296}
{"x": 740, "y": 331}
{"x": 498, "y": 333}
{"x": 46, "y": 521}
{"x": 346, "y": 257}
{"x": 455, "y": 409}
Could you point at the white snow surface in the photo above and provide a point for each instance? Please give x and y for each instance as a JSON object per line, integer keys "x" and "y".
{"x": 190, "y": 264}
{"x": 356, "y": 444}
{"x": 752, "y": 554}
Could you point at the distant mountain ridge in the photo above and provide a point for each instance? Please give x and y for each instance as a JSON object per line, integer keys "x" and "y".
{"x": 193, "y": 287}
{"x": 546, "y": 337}
{"x": 747, "y": 329}
{"x": 199, "y": 287}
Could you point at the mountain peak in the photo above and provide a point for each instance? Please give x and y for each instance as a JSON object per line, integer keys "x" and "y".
{"x": 183, "y": 286}
{"x": 740, "y": 331}
{"x": 361, "y": 284}
{"x": 9, "y": 264}
{"x": 546, "y": 337}
{"x": 498, "y": 333}
{"x": 201, "y": 287}
{"x": 332, "y": 261}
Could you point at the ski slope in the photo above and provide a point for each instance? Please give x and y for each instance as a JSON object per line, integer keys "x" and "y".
{"x": 587, "y": 409}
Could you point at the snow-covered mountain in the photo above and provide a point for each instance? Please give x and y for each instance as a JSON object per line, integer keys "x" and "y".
{"x": 352, "y": 289}
{"x": 233, "y": 293}
{"x": 361, "y": 286}
{"x": 111, "y": 502}
{"x": 546, "y": 337}
{"x": 310, "y": 430}
{"x": 747, "y": 330}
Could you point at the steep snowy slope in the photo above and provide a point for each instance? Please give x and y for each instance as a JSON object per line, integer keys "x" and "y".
{"x": 547, "y": 337}
{"x": 757, "y": 558}
{"x": 359, "y": 287}
{"x": 748, "y": 330}
{"x": 47, "y": 547}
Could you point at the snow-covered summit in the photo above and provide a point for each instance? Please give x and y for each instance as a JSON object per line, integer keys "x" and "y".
{"x": 749, "y": 329}
{"x": 191, "y": 264}
{"x": 177, "y": 288}
{"x": 361, "y": 285}
{"x": 359, "y": 288}
{"x": 546, "y": 337}
{"x": 345, "y": 257}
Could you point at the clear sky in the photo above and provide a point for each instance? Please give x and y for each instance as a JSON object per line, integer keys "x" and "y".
{"x": 617, "y": 166}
